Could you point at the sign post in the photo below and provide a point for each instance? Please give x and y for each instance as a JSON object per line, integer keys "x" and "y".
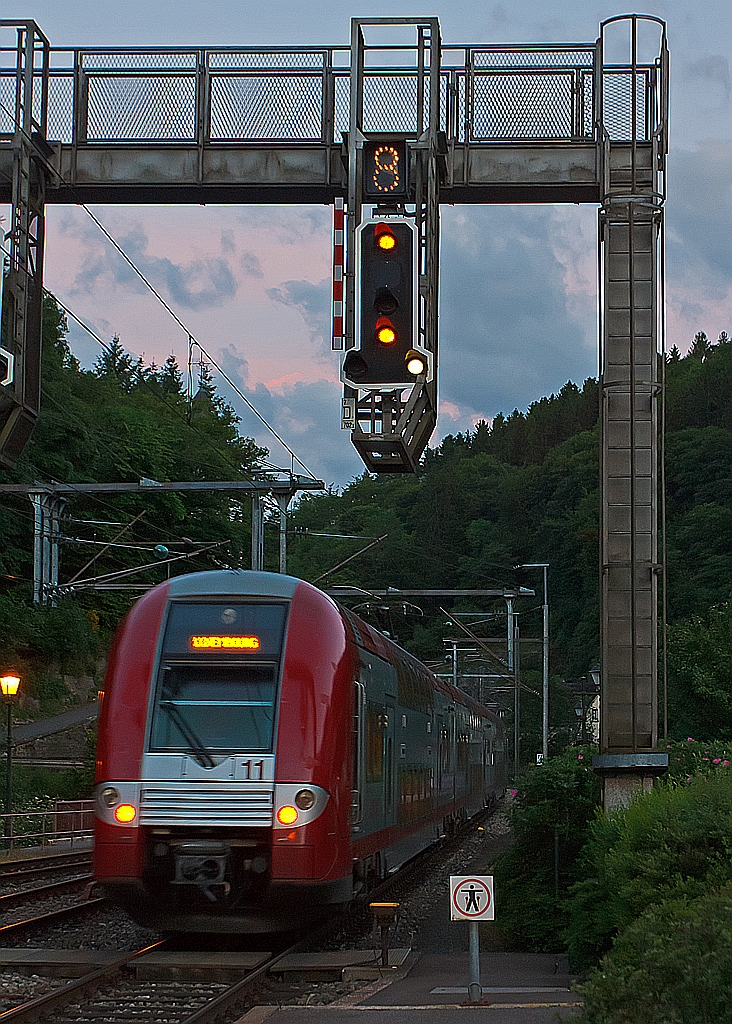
{"x": 471, "y": 900}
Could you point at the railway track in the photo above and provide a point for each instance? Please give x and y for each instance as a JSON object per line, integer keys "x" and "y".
{"x": 19, "y": 929}
{"x": 113, "y": 993}
{"x": 40, "y": 892}
{"x": 40, "y": 867}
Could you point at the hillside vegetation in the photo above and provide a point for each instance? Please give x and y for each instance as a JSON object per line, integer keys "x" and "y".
{"x": 119, "y": 421}
{"x": 523, "y": 489}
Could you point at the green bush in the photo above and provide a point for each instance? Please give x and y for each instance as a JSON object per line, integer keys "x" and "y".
{"x": 561, "y": 795}
{"x": 672, "y": 965}
{"x": 36, "y": 787}
{"x": 690, "y": 758}
{"x": 674, "y": 843}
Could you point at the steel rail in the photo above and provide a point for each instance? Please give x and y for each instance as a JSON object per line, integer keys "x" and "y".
{"x": 226, "y": 1000}
{"x": 13, "y": 931}
{"x": 39, "y": 1008}
{"x": 28, "y": 895}
{"x": 43, "y": 868}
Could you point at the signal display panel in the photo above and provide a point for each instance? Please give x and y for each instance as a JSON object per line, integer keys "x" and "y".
{"x": 385, "y": 167}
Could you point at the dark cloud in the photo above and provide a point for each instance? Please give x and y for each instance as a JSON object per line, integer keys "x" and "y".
{"x": 313, "y": 302}
{"x": 287, "y": 225}
{"x": 506, "y": 336}
{"x": 250, "y": 265}
{"x": 307, "y": 417}
{"x": 699, "y": 226}
{"x": 713, "y": 68}
{"x": 197, "y": 285}
{"x": 234, "y": 365}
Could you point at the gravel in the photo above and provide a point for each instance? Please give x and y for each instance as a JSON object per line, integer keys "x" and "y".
{"x": 109, "y": 928}
{"x": 21, "y": 885}
{"x": 35, "y": 907}
{"x": 19, "y": 988}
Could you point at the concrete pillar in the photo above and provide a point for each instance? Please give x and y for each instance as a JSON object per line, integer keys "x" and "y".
{"x": 629, "y": 539}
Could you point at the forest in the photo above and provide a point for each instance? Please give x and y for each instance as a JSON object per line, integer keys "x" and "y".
{"x": 640, "y": 899}
{"x": 523, "y": 488}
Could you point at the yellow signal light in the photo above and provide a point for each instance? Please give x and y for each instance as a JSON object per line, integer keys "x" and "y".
{"x": 385, "y": 238}
{"x": 385, "y": 331}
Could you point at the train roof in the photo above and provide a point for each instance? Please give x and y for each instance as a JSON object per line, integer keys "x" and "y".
{"x": 228, "y": 582}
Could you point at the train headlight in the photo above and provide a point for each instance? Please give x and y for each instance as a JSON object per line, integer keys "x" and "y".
{"x": 287, "y": 815}
{"x": 110, "y": 796}
{"x": 305, "y": 799}
{"x": 125, "y": 814}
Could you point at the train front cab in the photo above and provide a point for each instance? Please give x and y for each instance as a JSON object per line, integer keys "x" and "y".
{"x": 227, "y": 810}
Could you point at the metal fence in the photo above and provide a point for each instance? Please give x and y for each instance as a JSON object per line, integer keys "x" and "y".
{"x": 69, "y": 825}
{"x": 488, "y": 94}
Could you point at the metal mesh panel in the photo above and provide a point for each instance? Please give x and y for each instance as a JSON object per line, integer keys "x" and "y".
{"x": 617, "y": 105}
{"x": 270, "y": 108}
{"x": 390, "y": 103}
{"x": 7, "y": 104}
{"x": 127, "y": 109}
{"x": 533, "y": 58}
{"x": 379, "y": 115}
{"x": 262, "y": 60}
{"x": 444, "y": 84}
{"x": 37, "y": 100}
{"x": 61, "y": 108}
{"x": 587, "y": 93}
{"x": 522, "y": 106}
{"x": 138, "y": 61}
{"x": 342, "y": 101}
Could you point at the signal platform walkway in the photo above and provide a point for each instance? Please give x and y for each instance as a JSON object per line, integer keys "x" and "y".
{"x": 432, "y": 989}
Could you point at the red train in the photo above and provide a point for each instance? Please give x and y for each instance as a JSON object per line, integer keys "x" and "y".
{"x": 264, "y": 753}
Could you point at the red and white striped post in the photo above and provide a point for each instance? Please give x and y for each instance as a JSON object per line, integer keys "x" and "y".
{"x": 338, "y": 267}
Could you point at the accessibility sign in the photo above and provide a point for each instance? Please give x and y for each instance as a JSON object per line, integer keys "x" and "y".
{"x": 471, "y": 898}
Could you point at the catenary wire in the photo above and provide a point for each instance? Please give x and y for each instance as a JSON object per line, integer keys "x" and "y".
{"x": 148, "y": 284}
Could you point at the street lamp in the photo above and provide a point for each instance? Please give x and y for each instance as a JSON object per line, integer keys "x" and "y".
{"x": 9, "y": 684}
{"x": 544, "y": 659}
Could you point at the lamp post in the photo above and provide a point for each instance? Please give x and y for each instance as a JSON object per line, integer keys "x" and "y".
{"x": 544, "y": 658}
{"x": 9, "y": 684}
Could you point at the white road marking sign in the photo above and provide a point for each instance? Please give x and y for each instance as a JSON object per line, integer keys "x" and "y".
{"x": 471, "y": 898}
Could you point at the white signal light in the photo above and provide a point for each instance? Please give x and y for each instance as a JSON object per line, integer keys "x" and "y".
{"x": 416, "y": 363}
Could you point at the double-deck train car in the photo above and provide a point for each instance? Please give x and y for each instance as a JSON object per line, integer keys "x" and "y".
{"x": 264, "y": 754}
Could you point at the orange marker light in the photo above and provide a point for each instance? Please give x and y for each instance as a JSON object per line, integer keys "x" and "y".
{"x": 385, "y": 331}
{"x": 287, "y": 815}
{"x": 125, "y": 814}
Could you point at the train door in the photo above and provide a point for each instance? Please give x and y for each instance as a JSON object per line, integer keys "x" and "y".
{"x": 358, "y": 740}
{"x": 389, "y": 763}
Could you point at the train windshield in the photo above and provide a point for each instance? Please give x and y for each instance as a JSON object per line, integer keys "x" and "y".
{"x": 218, "y": 680}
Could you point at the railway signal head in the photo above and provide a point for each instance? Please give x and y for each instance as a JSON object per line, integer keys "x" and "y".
{"x": 385, "y": 169}
{"x": 387, "y": 352}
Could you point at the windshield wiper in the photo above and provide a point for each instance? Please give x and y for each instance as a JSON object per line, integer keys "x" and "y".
{"x": 196, "y": 747}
